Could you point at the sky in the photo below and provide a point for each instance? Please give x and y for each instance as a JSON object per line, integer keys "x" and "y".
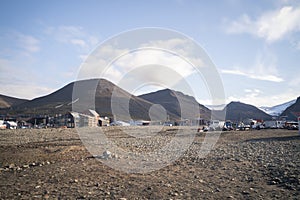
{"x": 254, "y": 46}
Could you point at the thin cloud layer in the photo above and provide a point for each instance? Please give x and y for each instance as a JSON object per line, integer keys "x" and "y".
{"x": 263, "y": 77}
{"x": 28, "y": 43}
{"x": 264, "y": 68}
{"x": 74, "y": 35}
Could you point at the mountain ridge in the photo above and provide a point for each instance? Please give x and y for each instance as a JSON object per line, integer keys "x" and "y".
{"x": 293, "y": 111}
{"x": 7, "y": 101}
{"x": 173, "y": 100}
{"x": 176, "y": 104}
{"x": 237, "y": 111}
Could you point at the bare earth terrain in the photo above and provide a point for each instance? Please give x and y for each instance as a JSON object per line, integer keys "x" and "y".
{"x": 54, "y": 164}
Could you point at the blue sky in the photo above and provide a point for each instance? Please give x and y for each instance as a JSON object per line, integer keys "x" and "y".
{"x": 255, "y": 46}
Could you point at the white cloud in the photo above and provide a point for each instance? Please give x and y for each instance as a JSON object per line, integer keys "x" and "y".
{"x": 154, "y": 62}
{"x": 183, "y": 48}
{"x": 30, "y": 43}
{"x": 253, "y": 75}
{"x": 78, "y": 42}
{"x": 27, "y": 43}
{"x": 74, "y": 35}
{"x": 260, "y": 98}
{"x": 264, "y": 68}
{"x": 154, "y": 57}
{"x": 97, "y": 62}
{"x": 272, "y": 25}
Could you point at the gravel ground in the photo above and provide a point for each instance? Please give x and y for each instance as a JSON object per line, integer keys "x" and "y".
{"x": 54, "y": 164}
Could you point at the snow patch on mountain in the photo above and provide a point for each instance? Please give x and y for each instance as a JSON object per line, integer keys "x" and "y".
{"x": 278, "y": 109}
{"x": 216, "y": 107}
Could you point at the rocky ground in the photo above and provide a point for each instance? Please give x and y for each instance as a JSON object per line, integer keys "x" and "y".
{"x": 54, "y": 164}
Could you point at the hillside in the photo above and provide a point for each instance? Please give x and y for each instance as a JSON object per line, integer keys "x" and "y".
{"x": 293, "y": 111}
{"x": 61, "y": 101}
{"x": 6, "y": 101}
{"x": 237, "y": 111}
{"x": 171, "y": 101}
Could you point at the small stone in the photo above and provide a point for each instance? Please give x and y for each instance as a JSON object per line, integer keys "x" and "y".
{"x": 175, "y": 194}
{"x": 113, "y": 155}
{"x": 201, "y": 181}
{"x": 81, "y": 197}
{"x": 245, "y": 192}
{"x": 273, "y": 182}
{"x": 11, "y": 166}
{"x": 25, "y": 166}
{"x": 32, "y": 164}
{"x": 46, "y": 192}
{"x": 106, "y": 154}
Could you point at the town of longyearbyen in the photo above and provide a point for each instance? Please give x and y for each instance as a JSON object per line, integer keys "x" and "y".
{"x": 173, "y": 99}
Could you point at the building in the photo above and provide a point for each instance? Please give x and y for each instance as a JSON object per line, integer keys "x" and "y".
{"x": 85, "y": 120}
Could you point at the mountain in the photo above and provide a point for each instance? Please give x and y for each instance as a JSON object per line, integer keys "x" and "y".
{"x": 278, "y": 109}
{"x": 293, "y": 111}
{"x": 99, "y": 93}
{"x": 6, "y": 101}
{"x": 216, "y": 107}
{"x": 177, "y": 104}
{"x": 237, "y": 111}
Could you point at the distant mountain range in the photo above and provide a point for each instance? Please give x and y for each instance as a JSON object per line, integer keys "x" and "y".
{"x": 62, "y": 100}
{"x": 278, "y": 109}
{"x": 175, "y": 104}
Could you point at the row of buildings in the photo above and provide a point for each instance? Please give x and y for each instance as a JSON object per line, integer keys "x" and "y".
{"x": 92, "y": 119}
{"x": 68, "y": 120}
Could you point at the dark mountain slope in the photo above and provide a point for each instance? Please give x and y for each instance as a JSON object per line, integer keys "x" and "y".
{"x": 293, "y": 111}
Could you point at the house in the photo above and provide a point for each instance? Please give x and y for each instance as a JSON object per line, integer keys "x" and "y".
{"x": 83, "y": 120}
{"x": 92, "y": 120}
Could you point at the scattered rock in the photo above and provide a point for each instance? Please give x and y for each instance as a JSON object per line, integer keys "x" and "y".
{"x": 245, "y": 192}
